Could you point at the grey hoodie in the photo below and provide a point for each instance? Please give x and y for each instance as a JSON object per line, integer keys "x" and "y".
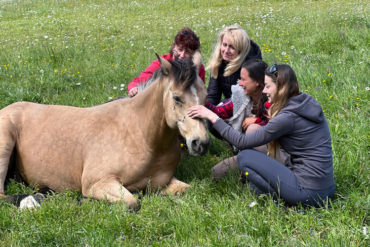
{"x": 302, "y": 131}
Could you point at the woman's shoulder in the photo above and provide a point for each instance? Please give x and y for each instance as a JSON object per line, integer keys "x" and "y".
{"x": 254, "y": 52}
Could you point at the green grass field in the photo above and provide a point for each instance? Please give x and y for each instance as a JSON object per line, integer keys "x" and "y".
{"x": 83, "y": 53}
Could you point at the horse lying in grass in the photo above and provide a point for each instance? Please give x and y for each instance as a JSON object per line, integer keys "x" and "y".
{"x": 110, "y": 150}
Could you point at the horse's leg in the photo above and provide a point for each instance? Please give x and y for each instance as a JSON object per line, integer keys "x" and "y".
{"x": 7, "y": 143}
{"x": 111, "y": 189}
{"x": 175, "y": 186}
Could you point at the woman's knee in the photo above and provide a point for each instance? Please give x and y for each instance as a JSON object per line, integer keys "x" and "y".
{"x": 243, "y": 158}
{"x": 252, "y": 127}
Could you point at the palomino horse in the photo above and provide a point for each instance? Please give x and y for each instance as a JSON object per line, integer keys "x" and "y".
{"x": 108, "y": 150}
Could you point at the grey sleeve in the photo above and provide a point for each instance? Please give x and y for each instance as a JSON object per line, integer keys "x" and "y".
{"x": 277, "y": 127}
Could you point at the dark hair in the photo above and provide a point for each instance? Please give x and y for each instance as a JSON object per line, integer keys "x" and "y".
{"x": 186, "y": 39}
{"x": 256, "y": 70}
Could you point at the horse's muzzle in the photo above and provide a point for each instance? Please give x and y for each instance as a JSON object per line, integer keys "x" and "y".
{"x": 198, "y": 146}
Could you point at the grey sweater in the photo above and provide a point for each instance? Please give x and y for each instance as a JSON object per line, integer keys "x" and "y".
{"x": 303, "y": 132}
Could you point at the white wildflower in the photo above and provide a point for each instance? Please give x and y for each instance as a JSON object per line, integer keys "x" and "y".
{"x": 41, "y": 71}
{"x": 367, "y": 88}
{"x": 292, "y": 47}
{"x": 78, "y": 83}
{"x": 364, "y": 230}
{"x": 45, "y": 37}
{"x": 283, "y": 53}
{"x": 354, "y": 87}
{"x": 252, "y": 204}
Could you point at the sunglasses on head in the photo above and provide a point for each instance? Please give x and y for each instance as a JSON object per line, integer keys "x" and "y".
{"x": 273, "y": 70}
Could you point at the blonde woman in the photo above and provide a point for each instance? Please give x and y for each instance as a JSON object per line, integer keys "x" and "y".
{"x": 299, "y": 126}
{"x": 233, "y": 48}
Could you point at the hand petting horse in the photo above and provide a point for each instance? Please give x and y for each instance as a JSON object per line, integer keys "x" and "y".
{"x": 110, "y": 150}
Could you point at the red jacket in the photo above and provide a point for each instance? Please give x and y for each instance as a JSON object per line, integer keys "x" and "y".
{"x": 148, "y": 72}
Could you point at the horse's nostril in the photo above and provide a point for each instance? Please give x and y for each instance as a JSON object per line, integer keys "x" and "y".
{"x": 198, "y": 146}
{"x": 195, "y": 145}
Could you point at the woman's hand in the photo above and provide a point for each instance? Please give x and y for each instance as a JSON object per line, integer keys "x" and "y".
{"x": 248, "y": 121}
{"x": 133, "y": 92}
{"x": 199, "y": 111}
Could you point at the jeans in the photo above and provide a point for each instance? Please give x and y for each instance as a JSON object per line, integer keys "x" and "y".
{"x": 269, "y": 176}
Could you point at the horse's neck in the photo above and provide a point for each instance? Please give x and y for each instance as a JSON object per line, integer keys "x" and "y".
{"x": 149, "y": 107}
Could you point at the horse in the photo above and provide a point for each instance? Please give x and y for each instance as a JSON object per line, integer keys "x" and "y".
{"x": 108, "y": 151}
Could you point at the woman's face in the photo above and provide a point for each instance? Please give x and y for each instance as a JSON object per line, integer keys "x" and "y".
{"x": 180, "y": 53}
{"x": 249, "y": 85}
{"x": 228, "y": 51}
{"x": 270, "y": 88}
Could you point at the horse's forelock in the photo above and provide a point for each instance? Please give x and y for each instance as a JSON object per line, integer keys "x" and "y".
{"x": 184, "y": 72}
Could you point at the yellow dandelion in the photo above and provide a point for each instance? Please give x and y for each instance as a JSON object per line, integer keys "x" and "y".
{"x": 331, "y": 96}
{"x": 323, "y": 81}
{"x": 55, "y": 70}
{"x": 329, "y": 74}
{"x": 133, "y": 54}
{"x": 246, "y": 173}
{"x": 357, "y": 98}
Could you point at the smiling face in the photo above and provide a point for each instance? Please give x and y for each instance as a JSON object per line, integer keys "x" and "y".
{"x": 270, "y": 88}
{"x": 249, "y": 85}
{"x": 181, "y": 53}
{"x": 228, "y": 50}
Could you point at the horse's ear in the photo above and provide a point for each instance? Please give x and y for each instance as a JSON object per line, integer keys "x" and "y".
{"x": 197, "y": 60}
{"x": 165, "y": 65}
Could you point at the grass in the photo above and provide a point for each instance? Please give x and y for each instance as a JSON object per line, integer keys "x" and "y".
{"x": 83, "y": 53}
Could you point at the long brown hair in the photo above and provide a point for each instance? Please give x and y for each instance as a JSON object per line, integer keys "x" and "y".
{"x": 286, "y": 87}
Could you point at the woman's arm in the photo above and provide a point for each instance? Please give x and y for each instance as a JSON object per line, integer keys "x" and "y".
{"x": 277, "y": 127}
{"x": 224, "y": 111}
{"x": 200, "y": 111}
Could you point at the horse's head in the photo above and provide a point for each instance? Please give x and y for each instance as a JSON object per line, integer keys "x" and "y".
{"x": 185, "y": 89}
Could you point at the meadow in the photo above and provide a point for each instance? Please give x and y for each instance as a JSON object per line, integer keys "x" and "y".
{"x": 84, "y": 53}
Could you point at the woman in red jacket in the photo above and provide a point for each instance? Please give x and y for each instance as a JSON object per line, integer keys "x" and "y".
{"x": 183, "y": 47}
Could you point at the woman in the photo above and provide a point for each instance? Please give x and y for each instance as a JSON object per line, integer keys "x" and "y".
{"x": 232, "y": 49}
{"x": 185, "y": 44}
{"x": 246, "y": 111}
{"x": 299, "y": 126}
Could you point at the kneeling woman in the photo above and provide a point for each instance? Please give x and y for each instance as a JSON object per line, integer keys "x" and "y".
{"x": 299, "y": 126}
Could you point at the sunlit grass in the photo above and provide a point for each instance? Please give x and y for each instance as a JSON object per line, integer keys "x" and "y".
{"x": 84, "y": 53}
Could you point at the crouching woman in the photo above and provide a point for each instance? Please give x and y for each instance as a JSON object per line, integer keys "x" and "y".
{"x": 297, "y": 125}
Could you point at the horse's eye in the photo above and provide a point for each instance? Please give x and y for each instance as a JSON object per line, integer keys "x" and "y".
{"x": 177, "y": 99}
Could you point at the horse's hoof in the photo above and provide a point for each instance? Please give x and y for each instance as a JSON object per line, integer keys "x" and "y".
{"x": 134, "y": 207}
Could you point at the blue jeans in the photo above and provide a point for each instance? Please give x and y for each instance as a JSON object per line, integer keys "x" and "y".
{"x": 269, "y": 176}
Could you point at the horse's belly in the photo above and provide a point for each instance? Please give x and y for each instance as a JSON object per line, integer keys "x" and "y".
{"x": 41, "y": 172}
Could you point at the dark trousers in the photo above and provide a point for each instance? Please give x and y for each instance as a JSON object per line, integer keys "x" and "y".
{"x": 267, "y": 175}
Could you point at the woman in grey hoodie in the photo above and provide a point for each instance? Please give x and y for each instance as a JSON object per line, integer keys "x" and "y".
{"x": 297, "y": 125}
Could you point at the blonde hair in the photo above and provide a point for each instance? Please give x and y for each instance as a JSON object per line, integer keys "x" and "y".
{"x": 239, "y": 38}
{"x": 286, "y": 87}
